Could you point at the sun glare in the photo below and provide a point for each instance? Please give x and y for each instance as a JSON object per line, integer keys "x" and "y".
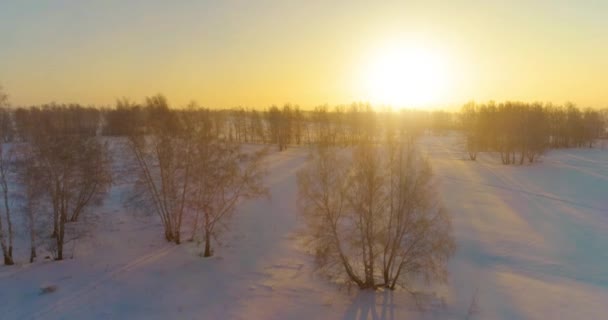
{"x": 405, "y": 77}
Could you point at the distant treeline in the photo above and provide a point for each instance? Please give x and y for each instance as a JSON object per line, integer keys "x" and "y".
{"x": 516, "y": 130}
{"x": 283, "y": 126}
{"x": 520, "y": 131}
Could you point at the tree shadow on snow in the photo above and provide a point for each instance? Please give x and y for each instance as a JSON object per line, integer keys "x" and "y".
{"x": 381, "y": 305}
{"x": 371, "y": 305}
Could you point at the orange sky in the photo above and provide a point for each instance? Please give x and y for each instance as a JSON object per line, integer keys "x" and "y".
{"x": 258, "y": 53}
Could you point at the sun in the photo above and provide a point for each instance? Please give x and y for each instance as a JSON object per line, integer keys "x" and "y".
{"x": 405, "y": 77}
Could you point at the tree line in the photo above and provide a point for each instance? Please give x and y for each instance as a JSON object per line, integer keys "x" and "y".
{"x": 287, "y": 125}
{"x": 521, "y": 131}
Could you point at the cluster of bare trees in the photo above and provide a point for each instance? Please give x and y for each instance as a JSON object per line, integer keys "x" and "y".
{"x": 520, "y": 131}
{"x": 187, "y": 173}
{"x": 373, "y": 216}
{"x": 57, "y": 168}
{"x": 56, "y": 165}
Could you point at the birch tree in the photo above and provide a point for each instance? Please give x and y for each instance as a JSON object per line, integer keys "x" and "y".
{"x": 372, "y": 218}
{"x": 222, "y": 176}
{"x": 163, "y": 161}
{"x": 6, "y": 226}
{"x": 71, "y": 163}
{"x": 7, "y": 233}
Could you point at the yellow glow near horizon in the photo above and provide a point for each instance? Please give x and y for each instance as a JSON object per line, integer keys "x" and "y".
{"x": 406, "y": 76}
{"x": 408, "y": 54}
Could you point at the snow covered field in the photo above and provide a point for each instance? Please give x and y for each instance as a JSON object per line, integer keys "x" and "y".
{"x": 532, "y": 244}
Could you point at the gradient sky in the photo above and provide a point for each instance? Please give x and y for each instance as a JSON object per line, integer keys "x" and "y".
{"x": 258, "y": 53}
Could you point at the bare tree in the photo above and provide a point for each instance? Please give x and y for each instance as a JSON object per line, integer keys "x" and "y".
{"x": 298, "y": 125}
{"x": 32, "y": 195}
{"x": 257, "y": 130}
{"x": 470, "y": 125}
{"x": 32, "y": 192}
{"x": 222, "y": 175}
{"x": 275, "y": 127}
{"x": 7, "y": 130}
{"x": 417, "y": 231}
{"x": 71, "y": 162}
{"x": 322, "y": 202}
{"x": 592, "y": 125}
{"x": 372, "y": 218}
{"x": 164, "y": 162}
{"x": 6, "y": 241}
{"x": 3, "y": 98}
{"x": 77, "y": 175}
{"x": 280, "y": 123}
{"x": 122, "y": 120}
{"x": 6, "y": 236}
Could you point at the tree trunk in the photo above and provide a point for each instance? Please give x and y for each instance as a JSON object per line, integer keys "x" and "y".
{"x": 7, "y": 251}
{"x": 168, "y": 234}
{"x": 32, "y": 236}
{"x": 59, "y": 249}
{"x": 32, "y": 254}
{"x": 9, "y": 224}
{"x": 207, "y": 252}
{"x": 8, "y": 260}
{"x": 55, "y": 226}
{"x": 60, "y": 237}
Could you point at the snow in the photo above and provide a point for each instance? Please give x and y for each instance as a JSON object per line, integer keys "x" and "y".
{"x": 532, "y": 244}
